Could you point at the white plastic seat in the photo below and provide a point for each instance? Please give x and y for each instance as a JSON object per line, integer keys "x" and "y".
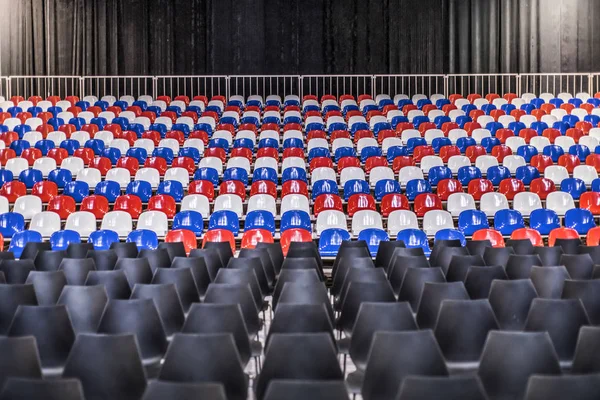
{"x": 457, "y": 162}
{"x": 546, "y": 97}
{"x": 146, "y": 144}
{"x": 197, "y": 144}
{"x": 129, "y": 115}
{"x": 111, "y": 100}
{"x": 262, "y": 202}
{"x": 295, "y": 202}
{"x": 565, "y": 142}
{"x": 366, "y": 219}
{"x": 168, "y": 122}
{"x": 492, "y": 202}
{"x": 316, "y": 142}
{"x": 45, "y": 164}
{"x": 266, "y": 162}
{"x": 454, "y": 114}
{"x": 341, "y": 142}
{"x": 431, "y": 134}
{"x": 526, "y": 202}
{"x": 90, "y": 99}
{"x": 527, "y": 97}
{"x": 172, "y": 144}
{"x": 231, "y": 202}
{"x": 118, "y": 221}
{"x": 4, "y": 205}
{"x": 25, "y": 104}
{"x": 186, "y": 121}
{"x": 120, "y": 175}
{"x": 269, "y": 134}
{"x": 479, "y": 134}
{"x": 389, "y": 142}
{"x": 586, "y": 173}
{"x": 17, "y": 165}
{"x": 556, "y": 173}
{"x": 564, "y": 96}
{"x": 514, "y": 142}
{"x": 408, "y": 134}
{"x": 223, "y": 134}
{"x": 80, "y": 136}
{"x": 45, "y": 222}
{"x": 150, "y": 175}
{"x": 559, "y": 113}
{"x": 499, "y": 102}
{"x": 351, "y": 173}
{"x": 480, "y": 103}
{"x": 32, "y": 137}
{"x": 458, "y": 202}
{"x": 459, "y": 103}
{"x": 28, "y": 206}
{"x": 513, "y": 162}
{"x": 323, "y": 173}
{"x": 108, "y": 115}
{"x": 560, "y": 202}
{"x": 590, "y": 142}
{"x": 11, "y": 123}
{"x": 505, "y": 120}
{"x": 178, "y": 174}
{"x": 433, "y": 114}
{"x": 144, "y": 121}
{"x": 539, "y": 142}
{"x": 291, "y": 134}
{"x": 401, "y": 219}
{"x": 366, "y": 142}
{"x": 212, "y": 162}
{"x": 483, "y": 120}
{"x": 399, "y": 97}
{"x": 91, "y": 176}
{"x": 436, "y": 96}
{"x": 579, "y": 113}
{"x": 595, "y": 133}
{"x": 412, "y": 114}
{"x": 291, "y": 162}
{"x": 106, "y": 136}
{"x": 409, "y": 173}
{"x": 549, "y": 119}
{"x": 58, "y": 137}
{"x": 330, "y": 219}
{"x": 527, "y": 120}
{"x": 380, "y": 173}
{"x": 196, "y": 202}
{"x": 208, "y": 120}
{"x": 155, "y": 221}
{"x": 456, "y": 134}
{"x": 429, "y": 162}
{"x": 583, "y": 96}
{"x": 436, "y": 220}
{"x": 121, "y": 144}
{"x": 485, "y": 162}
{"x": 248, "y": 134}
{"x": 239, "y": 162}
{"x": 83, "y": 222}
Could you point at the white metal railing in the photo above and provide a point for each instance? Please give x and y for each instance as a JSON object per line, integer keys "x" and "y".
{"x": 45, "y": 86}
{"x": 556, "y": 83}
{"x": 264, "y": 85}
{"x": 191, "y": 86}
{"x": 117, "y": 86}
{"x": 482, "y": 84}
{"x": 337, "y": 85}
{"x": 409, "y": 84}
{"x": 5, "y": 88}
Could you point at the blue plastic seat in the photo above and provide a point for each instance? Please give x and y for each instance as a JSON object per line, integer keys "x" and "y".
{"x": 19, "y": 146}
{"x": 378, "y": 127}
{"x": 470, "y": 221}
{"x": 527, "y": 152}
{"x": 596, "y": 185}
{"x": 109, "y": 189}
{"x": 507, "y": 221}
{"x": 96, "y": 145}
{"x": 561, "y": 126}
{"x": 516, "y": 127}
{"x": 13, "y": 111}
{"x": 56, "y": 122}
{"x": 102, "y": 104}
{"x": 396, "y": 151}
{"x": 30, "y": 177}
{"x": 224, "y": 219}
{"x": 142, "y": 189}
{"x": 494, "y": 127}
{"x": 464, "y": 142}
{"x": 143, "y": 239}
{"x": 341, "y": 152}
{"x": 265, "y": 174}
{"x": 310, "y": 107}
{"x": 237, "y": 174}
{"x": 580, "y": 219}
{"x": 528, "y": 108}
{"x": 294, "y": 173}
{"x": 413, "y": 143}
{"x": 404, "y": 102}
{"x": 359, "y": 126}
{"x": 544, "y": 220}
{"x": 139, "y": 103}
{"x": 413, "y": 238}
{"x": 78, "y": 123}
{"x": 291, "y": 119}
{"x": 160, "y": 128}
{"x": 190, "y": 220}
{"x": 295, "y": 219}
{"x": 497, "y": 174}
{"x": 553, "y": 151}
{"x": 192, "y": 153}
{"x": 171, "y": 188}
{"x": 537, "y": 102}
{"x": 181, "y": 128}
{"x": 386, "y": 186}
{"x": 44, "y": 146}
{"x": 330, "y": 241}
{"x": 580, "y": 150}
{"x": 268, "y": 143}
{"x": 318, "y": 152}
{"x": 441, "y": 103}
{"x": 450, "y": 234}
{"x": 399, "y": 119}
{"x": 113, "y": 154}
{"x": 592, "y": 119}
{"x": 60, "y": 240}
{"x": 354, "y": 186}
{"x": 204, "y": 127}
{"x": 293, "y": 143}
{"x": 22, "y": 129}
{"x": 103, "y": 238}
{"x": 416, "y": 187}
{"x": 440, "y": 142}
{"x": 324, "y": 186}
{"x": 5, "y": 176}
{"x": 467, "y": 108}
{"x": 77, "y": 190}
{"x": 574, "y": 186}
{"x": 164, "y": 152}
{"x": 20, "y": 239}
{"x": 250, "y": 120}
{"x": 207, "y": 174}
{"x": 34, "y": 111}
{"x": 488, "y": 108}
{"x": 508, "y": 108}
{"x": 373, "y": 237}
{"x": 436, "y": 174}
{"x": 370, "y": 151}
{"x": 489, "y": 143}
{"x": 467, "y": 173}
{"x": 441, "y": 120}
{"x": 527, "y": 173}
{"x": 243, "y": 143}
{"x": 139, "y": 153}
{"x": 314, "y": 126}
{"x": 556, "y": 102}
{"x": 422, "y": 103}
{"x": 540, "y": 127}
{"x": 570, "y": 120}
{"x": 11, "y": 223}
{"x": 260, "y": 219}
{"x": 60, "y": 176}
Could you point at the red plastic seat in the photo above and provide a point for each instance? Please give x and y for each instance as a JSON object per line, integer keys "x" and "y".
{"x": 547, "y": 107}
{"x": 517, "y": 114}
{"x": 337, "y": 135}
{"x": 375, "y": 161}
{"x": 7, "y": 154}
{"x": 538, "y": 114}
{"x": 593, "y": 236}
{"x": 392, "y": 202}
{"x": 294, "y": 235}
{"x": 177, "y": 135}
{"x": 130, "y": 163}
{"x": 541, "y": 161}
{"x": 385, "y": 134}
{"x": 267, "y": 152}
{"x": 264, "y": 187}
{"x": 473, "y": 96}
{"x": 319, "y": 162}
{"x": 294, "y": 187}
{"x": 149, "y": 114}
{"x": 102, "y": 164}
{"x": 169, "y": 114}
{"x": 448, "y": 107}
{"x": 57, "y": 154}
{"x": 233, "y": 187}
{"x": 551, "y": 134}
{"x": 510, "y": 187}
{"x": 590, "y": 201}
{"x": 401, "y": 162}
{"x": 425, "y": 126}
{"x": 478, "y": 187}
{"x": 24, "y": 116}
{"x": 116, "y": 130}
{"x": 496, "y": 114}
{"x": 255, "y": 236}
{"x": 346, "y": 162}
{"x": 454, "y": 97}
{"x": 242, "y": 152}
{"x": 220, "y": 235}
{"x": 427, "y": 202}
{"x": 527, "y": 233}
{"x": 154, "y": 136}
{"x": 503, "y": 134}
{"x": 448, "y": 126}
{"x": 362, "y": 134}
{"x": 37, "y": 99}
{"x": 568, "y": 107}
{"x": 569, "y": 161}
{"x": 528, "y": 134}
{"x": 68, "y": 129}
{"x": 158, "y": 163}
{"x": 446, "y": 187}
{"x": 164, "y": 203}
{"x": 327, "y": 201}
{"x": 31, "y": 154}
{"x": 186, "y": 163}
{"x": 561, "y": 233}
{"x": 409, "y": 107}
{"x": 448, "y": 151}
{"x": 402, "y": 126}
{"x": 205, "y": 188}
{"x": 13, "y": 190}
{"x": 293, "y": 152}
{"x": 216, "y": 152}
{"x": 501, "y": 151}
{"x": 92, "y": 129}
{"x": 492, "y": 235}
{"x": 62, "y": 205}
{"x": 471, "y": 126}
{"x": 97, "y": 205}
{"x": 85, "y": 153}
{"x": 422, "y": 151}
{"x": 185, "y": 236}
{"x": 473, "y": 152}
{"x": 594, "y": 161}
{"x": 542, "y": 187}
{"x": 129, "y": 203}
{"x": 510, "y": 96}
{"x": 474, "y": 114}
{"x": 360, "y": 201}
{"x": 295, "y": 127}
{"x": 575, "y": 133}
{"x": 428, "y": 108}
{"x": 45, "y": 190}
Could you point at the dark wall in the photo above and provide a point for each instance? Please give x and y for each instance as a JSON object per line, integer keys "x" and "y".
{"x": 153, "y": 37}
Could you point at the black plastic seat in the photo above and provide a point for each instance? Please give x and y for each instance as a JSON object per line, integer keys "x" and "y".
{"x": 343, "y": 268}
{"x": 124, "y": 250}
{"x": 105, "y": 260}
{"x": 199, "y": 271}
{"x": 166, "y": 301}
{"x": 303, "y": 389}
{"x": 16, "y": 271}
{"x": 76, "y": 270}
{"x": 497, "y": 255}
{"x": 301, "y": 263}
{"x": 242, "y": 277}
{"x": 549, "y": 281}
{"x": 137, "y": 270}
{"x": 441, "y": 246}
{"x": 462, "y": 328}
{"x": 220, "y": 293}
{"x": 302, "y": 293}
{"x": 350, "y": 249}
{"x": 310, "y": 356}
{"x": 79, "y": 250}
{"x": 265, "y": 260}
{"x": 397, "y": 355}
{"x": 299, "y": 276}
{"x": 158, "y": 258}
{"x": 550, "y": 256}
{"x": 358, "y": 293}
{"x": 31, "y": 250}
{"x": 520, "y": 246}
{"x": 275, "y": 252}
{"x": 596, "y": 272}
{"x": 385, "y": 252}
{"x": 305, "y": 249}
{"x": 51, "y": 327}
{"x": 2, "y": 278}
{"x": 221, "y": 318}
{"x": 11, "y": 297}
{"x": 478, "y": 281}
{"x": 511, "y": 301}
{"x": 445, "y": 257}
{"x": 300, "y": 318}
{"x": 477, "y": 247}
{"x": 519, "y": 266}
{"x": 183, "y": 280}
{"x": 569, "y": 246}
{"x": 374, "y": 275}
{"x": 398, "y": 267}
{"x": 586, "y": 360}
{"x": 49, "y": 260}
{"x": 589, "y": 294}
{"x": 117, "y": 286}
{"x": 223, "y": 249}
{"x": 211, "y": 259}
{"x": 459, "y": 266}
{"x": 19, "y": 359}
{"x": 414, "y": 281}
{"x": 85, "y": 305}
{"x": 509, "y": 358}
{"x": 203, "y": 358}
{"x": 6, "y": 255}
{"x": 40, "y": 389}
{"x": 580, "y": 387}
{"x": 437, "y": 388}
{"x": 580, "y": 266}
{"x": 254, "y": 264}
{"x": 434, "y": 293}
{"x": 47, "y": 286}
{"x": 108, "y": 366}
{"x": 140, "y": 318}
{"x": 174, "y": 249}
{"x": 158, "y": 390}
{"x": 593, "y": 251}
{"x": 404, "y": 252}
